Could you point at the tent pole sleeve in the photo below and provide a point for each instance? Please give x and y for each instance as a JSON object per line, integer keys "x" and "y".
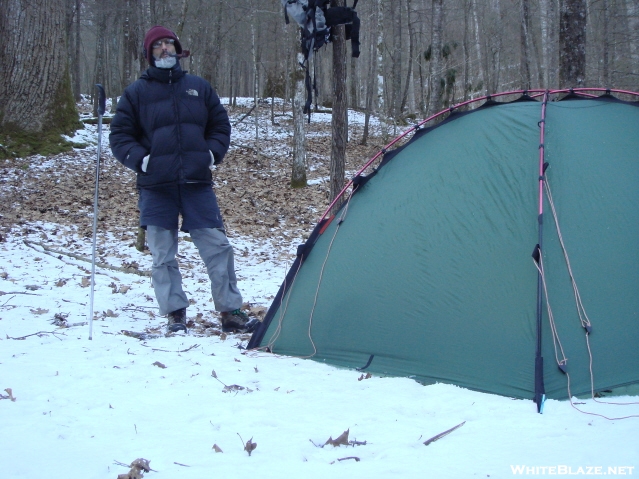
{"x": 540, "y": 393}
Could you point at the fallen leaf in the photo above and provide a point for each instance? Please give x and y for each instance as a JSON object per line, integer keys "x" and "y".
{"x": 39, "y": 311}
{"x": 250, "y": 446}
{"x": 159, "y": 365}
{"x": 9, "y": 391}
{"x": 216, "y": 448}
{"x": 342, "y": 440}
{"x": 233, "y": 387}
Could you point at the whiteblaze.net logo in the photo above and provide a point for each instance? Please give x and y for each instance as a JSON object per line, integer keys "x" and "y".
{"x": 562, "y": 470}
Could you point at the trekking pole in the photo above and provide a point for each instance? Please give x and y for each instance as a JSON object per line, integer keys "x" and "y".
{"x": 101, "y": 108}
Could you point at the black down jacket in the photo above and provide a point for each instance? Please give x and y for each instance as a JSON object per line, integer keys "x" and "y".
{"x": 175, "y": 118}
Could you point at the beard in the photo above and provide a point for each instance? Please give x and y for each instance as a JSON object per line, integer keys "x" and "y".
{"x": 165, "y": 62}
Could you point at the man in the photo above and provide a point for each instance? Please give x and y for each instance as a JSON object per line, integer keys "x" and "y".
{"x": 169, "y": 128}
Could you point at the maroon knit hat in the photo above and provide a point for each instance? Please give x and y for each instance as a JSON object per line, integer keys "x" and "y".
{"x": 157, "y": 33}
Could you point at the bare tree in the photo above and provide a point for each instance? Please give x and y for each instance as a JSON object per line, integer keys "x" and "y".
{"x": 436, "y": 55}
{"x": 371, "y": 84}
{"x": 524, "y": 42}
{"x": 548, "y": 12}
{"x": 340, "y": 109}
{"x": 572, "y": 43}
{"x": 36, "y": 100}
{"x": 298, "y": 176}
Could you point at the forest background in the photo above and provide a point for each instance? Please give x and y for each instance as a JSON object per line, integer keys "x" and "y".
{"x": 418, "y": 56}
{"x": 486, "y": 46}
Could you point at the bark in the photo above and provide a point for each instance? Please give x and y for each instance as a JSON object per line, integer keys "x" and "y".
{"x": 36, "y": 91}
{"x": 572, "y": 43}
{"x": 339, "y": 121}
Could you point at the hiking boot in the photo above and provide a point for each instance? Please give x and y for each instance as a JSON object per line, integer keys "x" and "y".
{"x": 237, "y": 321}
{"x": 177, "y": 321}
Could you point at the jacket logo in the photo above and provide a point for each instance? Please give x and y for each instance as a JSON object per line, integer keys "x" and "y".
{"x": 192, "y": 92}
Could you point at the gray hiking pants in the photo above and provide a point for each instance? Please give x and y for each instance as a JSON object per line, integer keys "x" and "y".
{"x": 215, "y": 251}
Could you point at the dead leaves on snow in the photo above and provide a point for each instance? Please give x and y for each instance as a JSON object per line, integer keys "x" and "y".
{"x": 236, "y": 388}
{"x": 10, "y": 396}
{"x": 249, "y": 446}
{"x": 138, "y": 468}
{"x": 342, "y": 440}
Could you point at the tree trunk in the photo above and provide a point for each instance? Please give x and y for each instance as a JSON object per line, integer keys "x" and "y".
{"x": 340, "y": 111}
{"x": 100, "y": 57}
{"x": 143, "y": 25}
{"x": 546, "y": 39}
{"x": 371, "y": 83}
{"x": 633, "y": 34}
{"x": 298, "y": 176}
{"x": 411, "y": 53}
{"x": 36, "y": 97}
{"x": 466, "y": 50}
{"x": 182, "y": 18}
{"x": 396, "y": 74}
{"x": 481, "y": 77}
{"x": 524, "y": 62}
{"x": 572, "y": 43}
{"x": 605, "y": 59}
{"x": 77, "y": 77}
{"x": 436, "y": 62}
{"x": 256, "y": 82}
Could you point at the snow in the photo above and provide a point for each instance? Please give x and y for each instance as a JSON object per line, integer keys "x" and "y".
{"x": 84, "y": 407}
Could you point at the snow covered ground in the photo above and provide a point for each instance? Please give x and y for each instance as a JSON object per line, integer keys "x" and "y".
{"x": 190, "y": 404}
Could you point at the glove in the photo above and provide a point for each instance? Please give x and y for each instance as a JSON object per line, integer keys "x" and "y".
{"x": 145, "y": 163}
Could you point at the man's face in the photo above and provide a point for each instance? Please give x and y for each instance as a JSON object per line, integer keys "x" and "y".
{"x": 163, "y": 48}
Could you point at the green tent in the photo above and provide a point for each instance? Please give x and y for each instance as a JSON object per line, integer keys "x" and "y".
{"x": 439, "y": 266}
